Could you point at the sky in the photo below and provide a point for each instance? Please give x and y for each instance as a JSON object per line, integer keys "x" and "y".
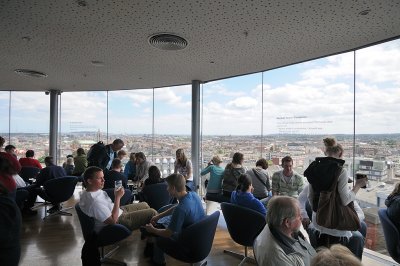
{"x": 314, "y": 97}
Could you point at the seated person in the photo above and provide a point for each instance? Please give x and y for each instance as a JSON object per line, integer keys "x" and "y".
{"x": 30, "y": 160}
{"x": 10, "y": 223}
{"x": 286, "y": 182}
{"x": 51, "y": 171}
{"x": 336, "y": 255}
{"x": 10, "y": 166}
{"x": 154, "y": 176}
{"x": 281, "y": 242}
{"x": 142, "y": 167}
{"x": 243, "y": 195}
{"x": 114, "y": 175}
{"x": 80, "y": 162}
{"x": 189, "y": 210}
{"x": 260, "y": 179}
{"x": 130, "y": 167}
{"x": 393, "y": 206}
{"x": 95, "y": 203}
{"x": 214, "y": 185}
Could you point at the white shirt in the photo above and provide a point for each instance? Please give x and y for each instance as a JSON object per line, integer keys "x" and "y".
{"x": 97, "y": 205}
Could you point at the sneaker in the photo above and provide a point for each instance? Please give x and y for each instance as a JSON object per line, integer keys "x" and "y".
{"x": 148, "y": 250}
{"x": 54, "y": 209}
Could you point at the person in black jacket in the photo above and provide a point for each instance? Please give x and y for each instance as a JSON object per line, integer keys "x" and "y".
{"x": 393, "y": 206}
{"x": 102, "y": 156}
{"x": 114, "y": 175}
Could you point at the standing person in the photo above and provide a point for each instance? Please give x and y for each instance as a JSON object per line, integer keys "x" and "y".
{"x": 114, "y": 175}
{"x": 184, "y": 167}
{"x": 80, "y": 162}
{"x": 321, "y": 176}
{"x": 130, "y": 167}
{"x": 231, "y": 174}
{"x": 214, "y": 185}
{"x": 142, "y": 167}
{"x": 69, "y": 165}
{"x": 101, "y": 155}
{"x": 243, "y": 195}
{"x": 29, "y": 160}
{"x": 260, "y": 180}
{"x": 286, "y": 182}
{"x": 189, "y": 210}
{"x": 281, "y": 242}
{"x": 393, "y": 206}
{"x": 95, "y": 203}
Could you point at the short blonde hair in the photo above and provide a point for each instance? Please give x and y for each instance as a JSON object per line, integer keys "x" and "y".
{"x": 216, "y": 160}
{"x": 336, "y": 255}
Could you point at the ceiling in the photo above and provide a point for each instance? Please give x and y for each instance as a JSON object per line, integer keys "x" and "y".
{"x": 225, "y": 38}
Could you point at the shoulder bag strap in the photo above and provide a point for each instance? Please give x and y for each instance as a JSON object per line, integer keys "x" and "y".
{"x": 259, "y": 178}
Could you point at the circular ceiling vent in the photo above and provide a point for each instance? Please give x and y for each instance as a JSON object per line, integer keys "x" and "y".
{"x": 169, "y": 42}
{"x": 30, "y": 73}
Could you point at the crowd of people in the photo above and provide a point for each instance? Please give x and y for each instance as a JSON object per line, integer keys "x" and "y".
{"x": 292, "y": 236}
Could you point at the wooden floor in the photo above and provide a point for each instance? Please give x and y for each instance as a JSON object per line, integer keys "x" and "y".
{"x": 58, "y": 241}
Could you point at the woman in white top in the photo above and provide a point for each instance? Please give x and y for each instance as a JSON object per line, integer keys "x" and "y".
{"x": 184, "y": 167}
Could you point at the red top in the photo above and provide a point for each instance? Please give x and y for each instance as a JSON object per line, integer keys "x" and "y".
{"x": 6, "y": 178}
{"x": 30, "y": 162}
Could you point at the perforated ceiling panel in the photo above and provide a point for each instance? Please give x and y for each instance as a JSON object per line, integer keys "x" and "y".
{"x": 225, "y": 38}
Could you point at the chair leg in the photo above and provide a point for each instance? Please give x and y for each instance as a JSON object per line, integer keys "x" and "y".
{"x": 241, "y": 256}
{"x": 106, "y": 258}
{"x": 60, "y": 212}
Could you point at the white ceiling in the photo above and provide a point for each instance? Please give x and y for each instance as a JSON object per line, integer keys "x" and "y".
{"x": 226, "y": 38}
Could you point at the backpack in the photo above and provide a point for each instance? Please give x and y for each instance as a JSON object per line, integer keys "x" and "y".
{"x": 95, "y": 153}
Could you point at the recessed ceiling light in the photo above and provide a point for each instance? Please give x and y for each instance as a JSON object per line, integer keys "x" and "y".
{"x": 26, "y": 38}
{"x": 97, "y": 63}
{"x": 30, "y": 73}
{"x": 365, "y": 12}
{"x": 167, "y": 41}
{"x": 81, "y": 3}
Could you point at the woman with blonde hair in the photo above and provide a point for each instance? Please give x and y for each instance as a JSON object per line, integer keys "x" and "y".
{"x": 336, "y": 255}
{"x": 393, "y": 206}
{"x": 184, "y": 167}
{"x": 321, "y": 174}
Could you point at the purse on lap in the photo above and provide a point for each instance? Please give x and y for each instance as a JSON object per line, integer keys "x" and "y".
{"x": 332, "y": 214}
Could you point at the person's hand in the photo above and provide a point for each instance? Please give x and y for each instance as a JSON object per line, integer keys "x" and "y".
{"x": 149, "y": 228}
{"x": 154, "y": 219}
{"x": 306, "y": 222}
{"x": 118, "y": 193}
{"x": 362, "y": 182}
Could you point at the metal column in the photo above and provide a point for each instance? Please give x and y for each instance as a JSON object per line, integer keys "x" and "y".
{"x": 196, "y": 130}
{"x": 53, "y": 133}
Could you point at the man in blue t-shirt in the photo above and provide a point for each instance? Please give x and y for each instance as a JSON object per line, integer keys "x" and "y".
{"x": 189, "y": 210}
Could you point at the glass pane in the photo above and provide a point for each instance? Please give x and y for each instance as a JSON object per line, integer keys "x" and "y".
{"x": 172, "y": 125}
{"x": 302, "y": 104}
{"x": 83, "y": 121}
{"x": 5, "y": 116}
{"x": 130, "y": 119}
{"x": 232, "y": 119}
{"x": 30, "y": 123}
{"x": 377, "y": 131}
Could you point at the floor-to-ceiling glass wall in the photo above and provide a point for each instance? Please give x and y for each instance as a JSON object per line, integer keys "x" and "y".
{"x": 377, "y": 138}
{"x": 4, "y": 117}
{"x": 130, "y": 118}
{"x": 83, "y": 121}
{"x": 172, "y": 125}
{"x": 29, "y": 123}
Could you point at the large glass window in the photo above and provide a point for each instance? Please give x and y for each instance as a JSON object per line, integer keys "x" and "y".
{"x": 4, "y": 111}
{"x": 130, "y": 118}
{"x": 83, "y": 121}
{"x": 232, "y": 119}
{"x": 377, "y": 147}
{"x": 29, "y": 121}
{"x": 172, "y": 125}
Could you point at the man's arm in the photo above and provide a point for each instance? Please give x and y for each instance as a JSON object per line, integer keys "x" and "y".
{"x": 115, "y": 211}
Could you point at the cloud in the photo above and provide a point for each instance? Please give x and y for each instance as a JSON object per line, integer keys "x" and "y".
{"x": 243, "y": 103}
